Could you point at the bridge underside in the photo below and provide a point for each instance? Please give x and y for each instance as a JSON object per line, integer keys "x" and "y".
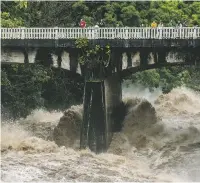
{"x": 114, "y": 43}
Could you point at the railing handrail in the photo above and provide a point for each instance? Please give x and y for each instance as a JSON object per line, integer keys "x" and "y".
{"x": 100, "y": 33}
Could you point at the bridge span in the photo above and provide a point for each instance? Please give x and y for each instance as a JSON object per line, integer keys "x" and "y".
{"x": 132, "y": 49}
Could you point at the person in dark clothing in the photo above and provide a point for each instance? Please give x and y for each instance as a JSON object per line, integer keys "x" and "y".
{"x": 101, "y": 23}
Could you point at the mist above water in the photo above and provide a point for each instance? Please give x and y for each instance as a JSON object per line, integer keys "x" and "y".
{"x": 160, "y": 141}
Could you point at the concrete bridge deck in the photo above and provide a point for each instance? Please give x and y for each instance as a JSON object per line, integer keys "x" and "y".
{"x": 116, "y": 37}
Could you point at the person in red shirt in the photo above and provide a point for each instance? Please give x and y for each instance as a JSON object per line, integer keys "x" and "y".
{"x": 82, "y": 23}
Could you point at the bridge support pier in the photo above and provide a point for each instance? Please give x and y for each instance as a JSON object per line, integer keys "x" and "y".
{"x": 162, "y": 53}
{"x": 100, "y": 100}
{"x": 129, "y": 59}
{"x": 26, "y": 59}
{"x": 144, "y": 53}
{"x": 73, "y": 57}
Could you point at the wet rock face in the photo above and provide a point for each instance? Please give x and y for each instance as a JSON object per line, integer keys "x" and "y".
{"x": 67, "y": 132}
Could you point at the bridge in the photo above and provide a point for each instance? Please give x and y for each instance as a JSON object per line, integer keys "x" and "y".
{"x": 132, "y": 49}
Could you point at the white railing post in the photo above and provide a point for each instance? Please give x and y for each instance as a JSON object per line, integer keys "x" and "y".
{"x": 22, "y": 33}
{"x": 56, "y": 32}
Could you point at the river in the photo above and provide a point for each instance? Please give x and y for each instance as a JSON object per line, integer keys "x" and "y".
{"x": 160, "y": 141}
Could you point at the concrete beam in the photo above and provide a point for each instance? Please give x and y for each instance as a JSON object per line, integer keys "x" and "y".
{"x": 114, "y": 43}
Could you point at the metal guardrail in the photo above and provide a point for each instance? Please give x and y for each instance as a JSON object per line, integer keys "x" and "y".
{"x": 101, "y": 33}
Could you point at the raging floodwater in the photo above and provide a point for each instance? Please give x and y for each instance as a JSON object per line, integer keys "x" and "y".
{"x": 159, "y": 143}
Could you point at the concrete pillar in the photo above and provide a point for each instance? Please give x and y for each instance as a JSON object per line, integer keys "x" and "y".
{"x": 25, "y": 51}
{"x": 113, "y": 99}
{"x": 93, "y": 131}
{"x": 100, "y": 100}
{"x": 144, "y": 53}
{"x": 129, "y": 59}
{"x": 154, "y": 55}
{"x": 59, "y": 60}
{"x": 116, "y": 60}
{"x": 162, "y": 54}
{"x": 44, "y": 56}
{"x": 73, "y": 56}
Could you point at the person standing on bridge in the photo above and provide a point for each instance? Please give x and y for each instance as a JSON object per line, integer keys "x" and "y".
{"x": 101, "y": 24}
{"x": 96, "y": 30}
{"x": 180, "y": 26}
{"x": 153, "y": 30}
{"x": 153, "y": 24}
{"x": 160, "y": 26}
{"x": 195, "y": 32}
{"x": 82, "y": 23}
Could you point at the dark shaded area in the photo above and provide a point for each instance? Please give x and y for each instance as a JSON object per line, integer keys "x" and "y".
{"x": 44, "y": 57}
{"x": 114, "y": 43}
{"x": 93, "y": 131}
{"x": 25, "y": 87}
{"x": 63, "y": 89}
{"x": 118, "y": 115}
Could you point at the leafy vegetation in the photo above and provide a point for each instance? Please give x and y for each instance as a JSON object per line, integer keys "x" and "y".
{"x": 49, "y": 13}
{"x": 92, "y": 55}
{"x": 168, "y": 78}
{"x": 13, "y": 13}
{"x": 94, "y": 58}
{"x": 27, "y": 87}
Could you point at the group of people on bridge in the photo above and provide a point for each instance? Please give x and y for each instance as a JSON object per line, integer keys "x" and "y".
{"x": 154, "y": 31}
{"x": 154, "y": 24}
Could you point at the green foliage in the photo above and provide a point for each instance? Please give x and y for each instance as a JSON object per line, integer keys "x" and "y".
{"x": 149, "y": 78}
{"x": 12, "y": 14}
{"x": 130, "y": 16}
{"x": 92, "y": 55}
{"x": 194, "y": 81}
{"x": 61, "y": 90}
{"x": 58, "y": 13}
{"x": 22, "y": 87}
{"x": 168, "y": 78}
{"x": 4, "y": 79}
{"x": 27, "y": 87}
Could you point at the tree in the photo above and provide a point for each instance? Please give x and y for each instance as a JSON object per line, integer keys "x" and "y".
{"x": 12, "y": 13}
{"x": 94, "y": 58}
{"x": 130, "y": 16}
{"x": 22, "y": 88}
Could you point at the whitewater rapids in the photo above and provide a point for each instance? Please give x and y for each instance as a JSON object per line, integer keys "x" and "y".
{"x": 160, "y": 141}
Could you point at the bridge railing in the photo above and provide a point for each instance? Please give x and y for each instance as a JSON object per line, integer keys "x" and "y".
{"x": 101, "y": 33}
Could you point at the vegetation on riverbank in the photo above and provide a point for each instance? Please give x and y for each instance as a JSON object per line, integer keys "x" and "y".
{"x": 169, "y": 78}
{"x": 27, "y": 87}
